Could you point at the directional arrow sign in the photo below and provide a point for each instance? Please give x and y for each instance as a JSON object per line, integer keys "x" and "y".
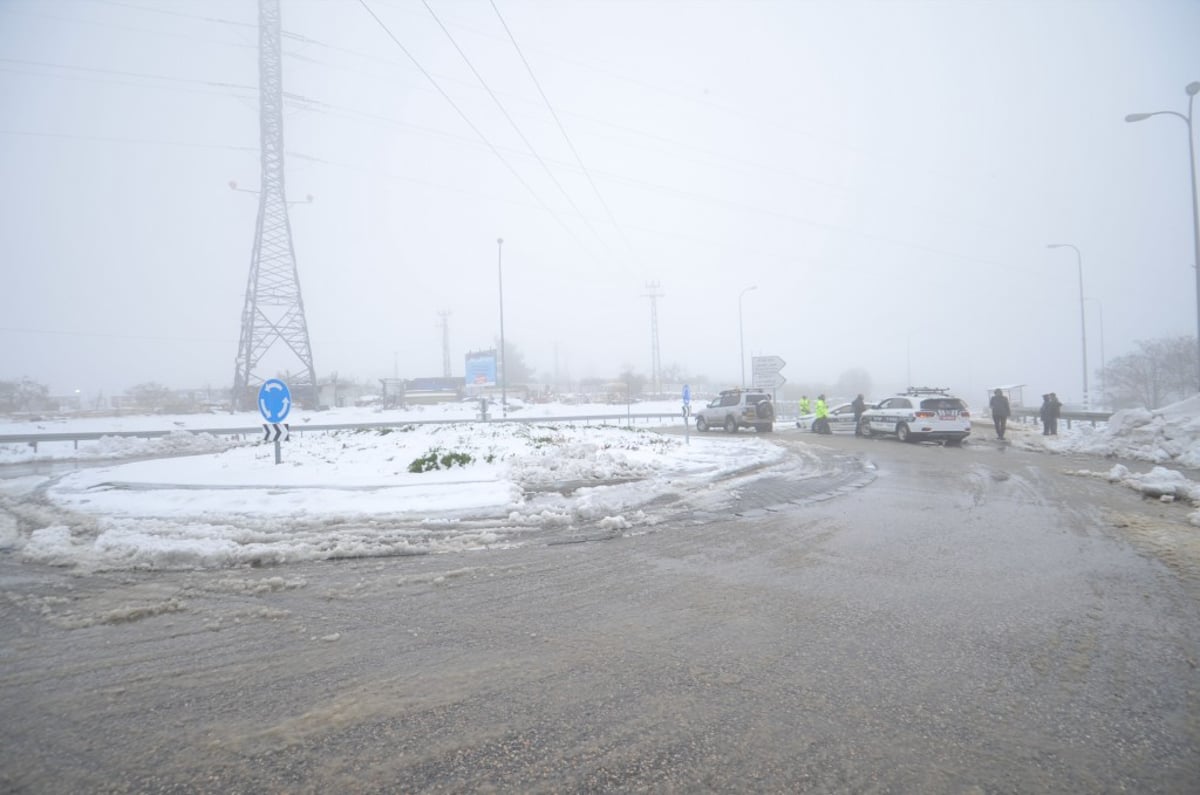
{"x": 766, "y": 371}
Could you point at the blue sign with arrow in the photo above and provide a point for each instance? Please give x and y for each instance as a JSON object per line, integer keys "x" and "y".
{"x": 274, "y": 400}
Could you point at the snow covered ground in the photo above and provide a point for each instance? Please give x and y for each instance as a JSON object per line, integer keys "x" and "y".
{"x": 222, "y": 501}
{"x": 409, "y": 490}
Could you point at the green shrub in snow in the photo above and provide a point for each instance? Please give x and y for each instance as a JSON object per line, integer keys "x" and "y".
{"x": 436, "y": 458}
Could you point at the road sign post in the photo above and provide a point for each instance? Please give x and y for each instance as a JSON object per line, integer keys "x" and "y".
{"x": 687, "y": 412}
{"x": 766, "y": 372}
{"x": 274, "y": 403}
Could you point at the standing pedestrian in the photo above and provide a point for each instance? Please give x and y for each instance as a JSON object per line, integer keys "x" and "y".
{"x": 822, "y": 422}
{"x": 1055, "y": 412}
{"x": 805, "y": 410}
{"x": 859, "y": 405}
{"x": 1000, "y": 412}
{"x": 1046, "y": 414}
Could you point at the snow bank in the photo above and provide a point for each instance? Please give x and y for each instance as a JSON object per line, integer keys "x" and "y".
{"x": 1167, "y": 435}
{"x": 117, "y": 447}
{"x": 354, "y": 493}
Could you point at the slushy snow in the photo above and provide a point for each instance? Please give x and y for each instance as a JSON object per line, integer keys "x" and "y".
{"x": 218, "y": 501}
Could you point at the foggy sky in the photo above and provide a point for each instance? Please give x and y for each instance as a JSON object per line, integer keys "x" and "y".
{"x": 886, "y": 174}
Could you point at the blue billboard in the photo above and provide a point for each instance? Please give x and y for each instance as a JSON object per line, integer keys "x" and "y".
{"x": 481, "y": 368}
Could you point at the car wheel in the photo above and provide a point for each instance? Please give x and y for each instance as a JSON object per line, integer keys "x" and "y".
{"x": 730, "y": 425}
{"x": 764, "y": 427}
{"x": 862, "y": 429}
{"x": 701, "y": 424}
{"x": 902, "y": 432}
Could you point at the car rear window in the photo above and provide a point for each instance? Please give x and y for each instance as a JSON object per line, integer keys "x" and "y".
{"x": 943, "y": 404}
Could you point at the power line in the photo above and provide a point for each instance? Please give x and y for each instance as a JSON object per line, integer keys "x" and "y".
{"x": 123, "y": 73}
{"x": 179, "y": 14}
{"x": 514, "y": 124}
{"x": 612, "y": 219}
{"x": 472, "y": 125}
{"x": 120, "y": 140}
{"x": 107, "y": 335}
{"x": 130, "y": 28}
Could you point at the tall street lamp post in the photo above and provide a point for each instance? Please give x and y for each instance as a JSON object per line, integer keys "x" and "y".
{"x": 1082, "y": 320}
{"x": 503, "y": 369}
{"x": 741, "y": 336}
{"x": 1192, "y": 89}
{"x": 1103, "y": 394}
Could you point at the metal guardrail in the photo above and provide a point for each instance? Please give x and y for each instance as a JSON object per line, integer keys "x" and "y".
{"x": 1032, "y": 412}
{"x": 34, "y": 439}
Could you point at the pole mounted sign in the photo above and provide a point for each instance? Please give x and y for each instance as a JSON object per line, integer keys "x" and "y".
{"x": 766, "y": 372}
{"x": 274, "y": 400}
{"x": 274, "y": 403}
{"x": 687, "y": 410}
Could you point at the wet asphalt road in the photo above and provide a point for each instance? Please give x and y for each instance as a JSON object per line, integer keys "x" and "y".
{"x": 965, "y": 621}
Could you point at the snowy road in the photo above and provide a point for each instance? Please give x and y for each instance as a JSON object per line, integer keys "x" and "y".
{"x": 971, "y": 620}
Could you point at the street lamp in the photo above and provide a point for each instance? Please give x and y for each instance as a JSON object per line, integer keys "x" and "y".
{"x": 1192, "y": 89}
{"x": 1082, "y": 321}
{"x": 741, "y": 335}
{"x": 503, "y": 369}
{"x": 1103, "y": 382}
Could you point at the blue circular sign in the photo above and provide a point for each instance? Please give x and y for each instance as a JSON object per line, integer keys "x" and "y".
{"x": 274, "y": 400}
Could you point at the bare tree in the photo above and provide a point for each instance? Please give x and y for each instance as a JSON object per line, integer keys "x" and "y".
{"x": 519, "y": 372}
{"x": 635, "y": 384}
{"x": 150, "y": 395}
{"x": 24, "y": 395}
{"x": 1157, "y": 373}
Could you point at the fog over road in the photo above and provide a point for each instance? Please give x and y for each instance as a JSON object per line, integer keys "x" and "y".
{"x": 971, "y": 620}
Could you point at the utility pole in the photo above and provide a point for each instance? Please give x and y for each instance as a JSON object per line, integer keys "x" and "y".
{"x": 445, "y": 324}
{"x": 273, "y": 311}
{"x": 655, "y": 360}
{"x": 503, "y": 370}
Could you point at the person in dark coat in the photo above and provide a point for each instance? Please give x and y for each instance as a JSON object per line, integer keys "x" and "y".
{"x": 859, "y": 405}
{"x": 1000, "y": 412}
{"x": 1049, "y": 413}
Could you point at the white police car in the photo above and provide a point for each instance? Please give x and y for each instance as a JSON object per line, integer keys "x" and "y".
{"x": 918, "y": 414}
{"x": 841, "y": 419}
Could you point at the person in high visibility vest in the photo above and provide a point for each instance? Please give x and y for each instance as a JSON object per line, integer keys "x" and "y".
{"x": 804, "y": 410}
{"x": 822, "y": 422}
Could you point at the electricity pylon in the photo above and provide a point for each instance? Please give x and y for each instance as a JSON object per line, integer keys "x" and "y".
{"x": 274, "y": 311}
{"x": 655, "y": 360}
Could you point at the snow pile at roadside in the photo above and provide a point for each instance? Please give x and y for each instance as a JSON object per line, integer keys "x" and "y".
{"x": 116, "y": 447}
{"x": 1167, "y": 435}
{"x": 1159, "y": 483}
{"x": 184, "y": 426}
{"x": 361, "y": 493}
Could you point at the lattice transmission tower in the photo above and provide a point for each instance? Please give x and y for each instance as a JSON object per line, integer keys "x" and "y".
{"x": 655, "y": 359}
{"x": 274, "y": 311}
